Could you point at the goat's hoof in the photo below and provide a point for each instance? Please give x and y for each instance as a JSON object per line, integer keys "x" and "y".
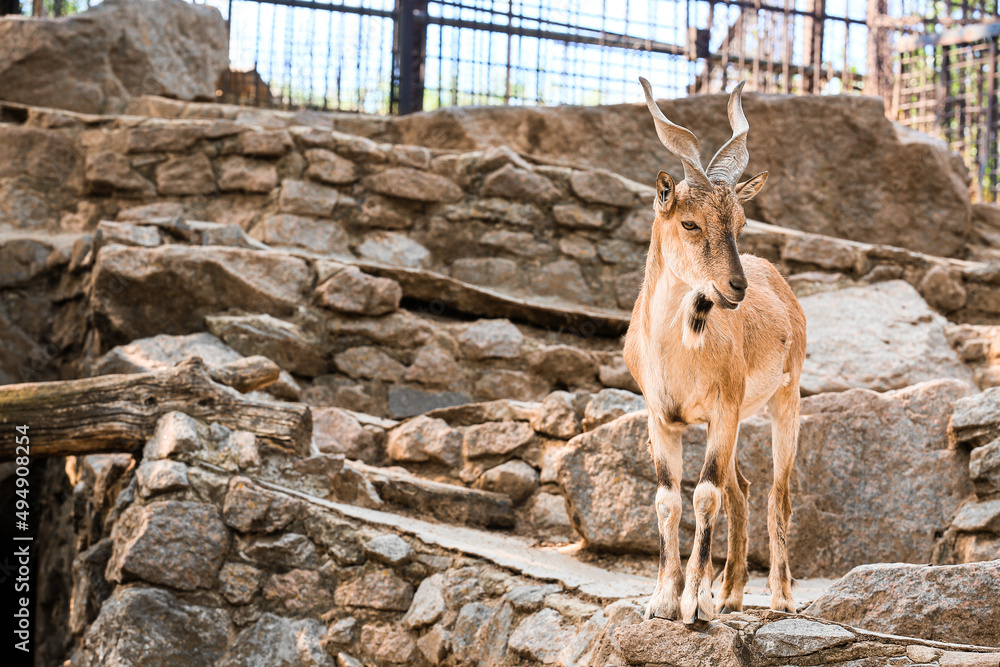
{"x": 663, "y": 604}
{"x": 697, "y": 606}
{"x": 783, "y": 603}
{"x": 729, "y": 605}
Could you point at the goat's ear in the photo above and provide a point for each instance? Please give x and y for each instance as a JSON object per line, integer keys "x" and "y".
{"x": 747, "y": 190}
{"x": 664, "y": 192}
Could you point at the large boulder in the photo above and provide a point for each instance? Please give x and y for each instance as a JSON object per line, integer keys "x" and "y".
{"x": 99, "y": 60}
{"x": 881, "y": 336}
{"x": 860, "y": 489}
{"x": 880, "y": 194}
{"x": 190, "y": 282}
{"x": 950, "y": 603}
{"x": 149, "y": 626}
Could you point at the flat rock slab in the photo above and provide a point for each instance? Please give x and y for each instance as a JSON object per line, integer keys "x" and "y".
{"x": 798, "y": 636}
{"x": 190, "y": 282}
{"x": 841, "y": 518}
{"x": 516, "y": 553}
{"x": 951, "y": 603}
{"x": 882, "y": 336}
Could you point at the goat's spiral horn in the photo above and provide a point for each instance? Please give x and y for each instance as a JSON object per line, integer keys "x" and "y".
{"x": 732, "y": 158}
{"x": 680, "y": 141}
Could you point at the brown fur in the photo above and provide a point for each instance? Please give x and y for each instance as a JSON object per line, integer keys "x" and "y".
{"x": 748, "y": 352}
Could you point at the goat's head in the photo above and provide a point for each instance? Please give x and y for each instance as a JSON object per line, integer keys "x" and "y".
{"x": 698, "y": 219}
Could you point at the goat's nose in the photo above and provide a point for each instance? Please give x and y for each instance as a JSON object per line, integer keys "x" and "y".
{"x": 739, "y": 284}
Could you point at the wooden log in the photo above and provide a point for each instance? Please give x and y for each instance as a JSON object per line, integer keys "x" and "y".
{"x": 118, "y": 413}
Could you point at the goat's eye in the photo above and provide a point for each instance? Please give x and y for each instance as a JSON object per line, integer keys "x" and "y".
{"x": 688, "y": 225}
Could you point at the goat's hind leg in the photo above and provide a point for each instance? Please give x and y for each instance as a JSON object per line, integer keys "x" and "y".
{"x": 784, "y": 409}
{"x": 665, "y": 447}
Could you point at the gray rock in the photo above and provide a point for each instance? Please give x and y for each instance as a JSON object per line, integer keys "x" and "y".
{"x": 274, "y": 640}
{"x": 495, "y": 438}
{"x": 975, "y": 517}
{"x": 662, "y": 642}
{"x": 984, "y": 468}
{"x": 307, "y": 198}
{"x": 162, "y": 352}
{"x": 511, "y": 182}
{"x": 239, "y": 582}
{"x": 121, "y": 50}
{"x": 90, "y": 588}
{"x": 285, "y": 550}
{"x": 267, "y": 143}
{"x": 409, "y": 183}
{"x": 557, "y": 416}
{"x": 491, "y": 339}
{"x": 562, "y": 279}
{"x": 110, "y": 170}
{"x": 792, "y": 637}
{"x": 298, "y": 592}
{"x": 173, "y": 543}
{"x": 435, "y": 366}
{"x": 394, "y": 249}
{"x": 284, "y": 343}
{"x": 375, "y": 588}
{"x": 190, "y": 282}
{"x": 977, "y": 418}
{"x": 425, "y": 439}
{"x": 342, "y": 632}
{"x": 336, "y": 431}
{"x": 328, "y": 167}
{"x": 541, "y": 636}
{"x": 942, "y": 288}
{"x": 902, "y": 436}
{"x": 155, "y": 477}
{"x": 548, "y": 513}
{"x": 176, "y": 433}
{"x": 408, "y": 401}
{"x": 349, "y": 290}
{"x": 125, "y": 233}
{"x": 471, "y": 622}
{"x": 880, "y": 337}
{"x": 954, "y": 603}
{"x": 610, "y": 404}
{"x": 187, "y": 175}
{"x": 149, "y": 626}
{"x": 369, "y": 363}
{"x": 515, "y": 478}
{"x": 566, "y": 364}
{"x": 428, "y": 603}
{"x": 249, "y": 507}
{"x": 318, "y": 236}
{"x": 237, "y": 173}
{"x": 579, "y": 217}
{"x": 603, "y": 187}
{"x": 388, "y": 549}
{"x": 529, "y": 598}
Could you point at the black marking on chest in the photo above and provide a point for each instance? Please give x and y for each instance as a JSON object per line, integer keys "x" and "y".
{"x": 699, "y": 314}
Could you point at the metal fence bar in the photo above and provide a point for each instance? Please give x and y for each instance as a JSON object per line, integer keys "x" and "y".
{"x": 401, "y": 56}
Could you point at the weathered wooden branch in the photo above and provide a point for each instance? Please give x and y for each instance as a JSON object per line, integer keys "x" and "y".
{"x": 118, "y": 413}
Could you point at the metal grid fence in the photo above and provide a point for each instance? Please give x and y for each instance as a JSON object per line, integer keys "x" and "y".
{"x": 399, "y": 56}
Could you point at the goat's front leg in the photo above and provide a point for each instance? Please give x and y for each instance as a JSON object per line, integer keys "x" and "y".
{"x": 665, "y": 447}
{"x": 696, "y": 601}
{"x": 736, "y": 504}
